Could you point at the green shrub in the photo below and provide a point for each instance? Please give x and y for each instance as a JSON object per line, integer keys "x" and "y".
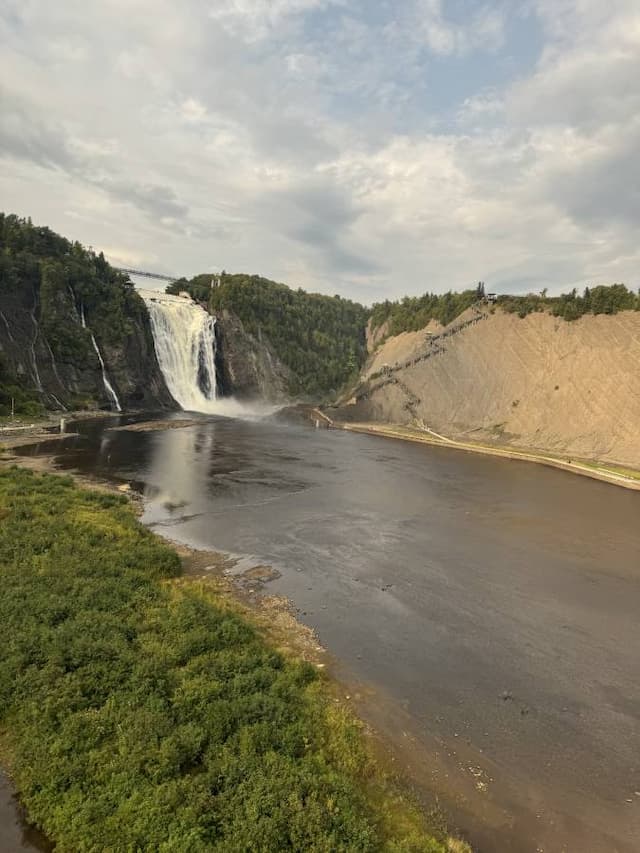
{"x": 143, "y": 715}
{"x": 15, "y": 396}
{"x": 571, "y": 306}
{"x": 415, "y": 312}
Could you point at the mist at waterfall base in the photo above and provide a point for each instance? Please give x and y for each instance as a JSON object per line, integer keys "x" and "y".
{"x": 185, "y": 342}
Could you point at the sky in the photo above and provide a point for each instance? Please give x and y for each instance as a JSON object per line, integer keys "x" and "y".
{"x": 372, "y": 148}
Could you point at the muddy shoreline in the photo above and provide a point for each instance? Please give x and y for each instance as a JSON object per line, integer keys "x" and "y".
{"x": 594, "y": 471}
{"x": 15, "y": 833}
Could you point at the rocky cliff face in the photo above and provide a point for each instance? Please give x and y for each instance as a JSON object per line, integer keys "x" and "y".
{"x": 248, "y": 367}
{"x": 53, "y": 355}
{"x": 73, "y": 331}
{"x": 539, "y": 382}
{"x": 134, "y": 366}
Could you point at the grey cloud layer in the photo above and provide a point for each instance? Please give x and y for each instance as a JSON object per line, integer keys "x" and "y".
{"x": 289, "y": 137}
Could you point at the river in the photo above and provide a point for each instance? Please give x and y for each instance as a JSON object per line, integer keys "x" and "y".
{"x": 484, "y": 612}
{"x": 15, "y": 835}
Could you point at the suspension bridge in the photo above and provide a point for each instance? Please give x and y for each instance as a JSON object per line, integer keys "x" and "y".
{"x": 146, "y": 274}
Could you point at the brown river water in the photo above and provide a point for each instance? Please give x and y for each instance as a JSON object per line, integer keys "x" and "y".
{"x": 485, "y": 613}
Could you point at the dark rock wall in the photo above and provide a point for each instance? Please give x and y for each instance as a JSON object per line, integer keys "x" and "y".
{"x": 134, "y": 365}
{"x": 56, "y": 358}
{"x": 248, "y": 367}
{"x": 70, "y": 376}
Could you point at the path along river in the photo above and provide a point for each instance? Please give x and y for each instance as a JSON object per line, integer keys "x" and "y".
{"x": 485, "y": 611}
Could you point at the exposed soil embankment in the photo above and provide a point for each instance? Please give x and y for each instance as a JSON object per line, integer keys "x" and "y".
{"x": 538, "y": 382}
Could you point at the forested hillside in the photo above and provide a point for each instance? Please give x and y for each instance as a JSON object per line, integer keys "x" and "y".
{"x": 319, "y": 338}
{"x": 46, "y": 282}
{"x": 415, "y": 312}
{"x": 603, "y": 299}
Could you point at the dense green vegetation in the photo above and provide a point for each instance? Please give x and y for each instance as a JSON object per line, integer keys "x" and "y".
{"x": 319, "y": 338}
{"x": 414, "y": 312}
{"x": 50, "y": 277}
{"x": 143, "y": 713}
{"x": 14, "y": 395}
{"x": 570, "y": 306}
{"x": 52, "y": 268}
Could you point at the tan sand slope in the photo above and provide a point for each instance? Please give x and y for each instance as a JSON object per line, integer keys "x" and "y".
{"x": 538, "y": 382}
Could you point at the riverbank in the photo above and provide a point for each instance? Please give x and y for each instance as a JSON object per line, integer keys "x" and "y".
{"x": 15, "y": 833}
{"x": 474, "y": 573}
{"x": 626, "y": 478}
{"x": 217, "y": 682}
{"x": 19, "y": 431}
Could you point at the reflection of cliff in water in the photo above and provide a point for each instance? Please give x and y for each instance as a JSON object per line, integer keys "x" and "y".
{"x": 173, "y": 483}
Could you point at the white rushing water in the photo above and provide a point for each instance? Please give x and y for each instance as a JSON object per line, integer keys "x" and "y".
{"x": 184, "y": 336}
{"x": 185, "y": 340}
{"x": 108, "y": 387}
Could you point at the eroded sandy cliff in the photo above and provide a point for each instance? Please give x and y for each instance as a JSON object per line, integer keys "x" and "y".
{"x": 539, "y": 382}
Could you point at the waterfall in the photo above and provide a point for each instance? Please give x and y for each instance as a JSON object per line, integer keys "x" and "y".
{"x": 6, "y": 322}
{"x": 108, "y": 387}
{"x": 185, "y": 342}
{"x": 34, "y": 359}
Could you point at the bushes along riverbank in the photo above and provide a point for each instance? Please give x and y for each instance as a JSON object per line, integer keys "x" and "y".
{"x": 142, "y": 714}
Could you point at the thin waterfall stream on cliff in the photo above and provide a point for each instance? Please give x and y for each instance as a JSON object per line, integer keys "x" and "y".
{"x": 483, "y": 611}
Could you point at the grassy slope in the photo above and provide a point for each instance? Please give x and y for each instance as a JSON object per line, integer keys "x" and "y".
{"x": 143, "y": 713}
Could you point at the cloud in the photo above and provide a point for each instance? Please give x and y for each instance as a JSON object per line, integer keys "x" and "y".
{"x": 591, "y": 85}
{"x": 158, "y": 201}
{"x": 26, "y": 137}
{"x": 601, "y": 188}
{"x": 483, "y": 29}
{"x": 253, "y": 20}
{"x": 319, "y": 214}
{"x": 365, "y": 147}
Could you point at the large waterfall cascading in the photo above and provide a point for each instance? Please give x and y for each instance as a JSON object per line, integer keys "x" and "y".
{"x": 185, "y": 342}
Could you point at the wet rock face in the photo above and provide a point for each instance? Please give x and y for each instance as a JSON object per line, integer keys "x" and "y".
{"x": 248, "y": 367}
{"x": 54, "y": 356}
{"x": 136, "y": 369}
{"x": 28, "y": 355}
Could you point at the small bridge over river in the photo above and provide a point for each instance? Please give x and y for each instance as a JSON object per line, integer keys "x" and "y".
{"x": 145, "y": 274}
